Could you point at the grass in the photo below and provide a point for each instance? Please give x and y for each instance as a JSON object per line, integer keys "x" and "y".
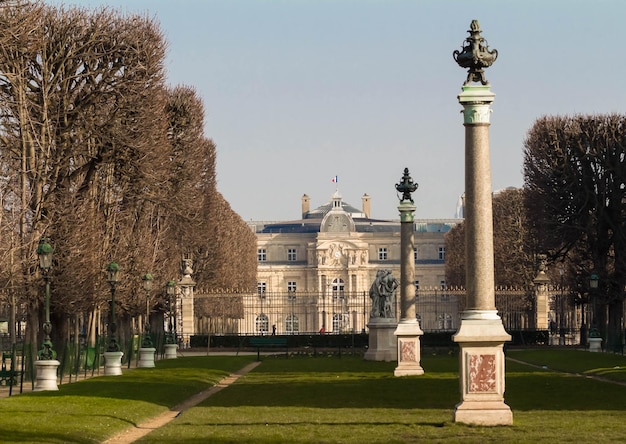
{"x": 92, "y": 410}
{"x": 330, "y": 400}
{"x": 349, "y": 400}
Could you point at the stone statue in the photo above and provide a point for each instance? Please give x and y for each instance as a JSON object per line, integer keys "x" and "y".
{"x": 383, "y": 295}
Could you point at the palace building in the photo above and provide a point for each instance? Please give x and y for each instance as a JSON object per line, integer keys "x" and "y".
{"x": 331, "y": 256}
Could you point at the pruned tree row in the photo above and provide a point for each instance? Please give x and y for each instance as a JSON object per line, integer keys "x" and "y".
{"x": 98, "y": 154}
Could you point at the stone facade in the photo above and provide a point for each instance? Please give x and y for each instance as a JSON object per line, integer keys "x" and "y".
{"x": 337, "y": 248}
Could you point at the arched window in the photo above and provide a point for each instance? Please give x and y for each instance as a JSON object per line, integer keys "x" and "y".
{"x": 338, "y": 287}
{"x": 262, "y": 323}
{"x": 292, "y": 324}
{"x": 337, "y": 322}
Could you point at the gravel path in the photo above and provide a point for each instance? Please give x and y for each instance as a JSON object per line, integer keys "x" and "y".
{"x": 132, "y": 434}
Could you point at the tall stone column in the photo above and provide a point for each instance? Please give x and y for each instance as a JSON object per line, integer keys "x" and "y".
{"x": 408, "y": 331}
{"x": 481, "y": 335}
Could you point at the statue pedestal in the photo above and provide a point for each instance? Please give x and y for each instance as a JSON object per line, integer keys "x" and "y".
{"x": 409, "y": 350}
{"x": 146, "y": 357}
{"x": 482, "y": 373}
{"x": 46, "y": 375}
{"x": 170, "y": 351}
{"x": 383, "y": 345}
{"x": 113, "y": 363}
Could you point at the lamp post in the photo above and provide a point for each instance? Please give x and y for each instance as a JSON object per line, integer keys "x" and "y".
{"x": 45, "y": 251}
{"x": 170, "y": 337}
{"x": 595, "y": 339}
{"x": 46, "y": 363}
{"x": 147, "y": 286}
{"x": 113, "y": 355}
{"x": 562, "y": 311}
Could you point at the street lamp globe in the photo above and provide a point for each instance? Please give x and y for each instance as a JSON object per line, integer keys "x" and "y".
{"x": 593, "y": 281}
{"x": 147, "y": 282}
{"x": 113, "y": 273}
{"x": 45, "y": 251}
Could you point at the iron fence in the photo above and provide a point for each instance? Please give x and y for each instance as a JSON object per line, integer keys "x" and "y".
{"x": 437, "y": 309}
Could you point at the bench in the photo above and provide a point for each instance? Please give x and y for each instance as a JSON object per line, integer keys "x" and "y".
{"x": 8, "y": 374}
{"x": 268, "y": 341}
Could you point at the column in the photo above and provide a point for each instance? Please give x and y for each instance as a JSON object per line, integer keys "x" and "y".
{"x": 481, "y": 335}
{"x": 408, "y": 331}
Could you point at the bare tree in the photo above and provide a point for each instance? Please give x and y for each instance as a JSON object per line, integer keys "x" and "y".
{"x": 79, "y": 130}
{"x": 575, "y": 171}
{"x": 514, "y": 250}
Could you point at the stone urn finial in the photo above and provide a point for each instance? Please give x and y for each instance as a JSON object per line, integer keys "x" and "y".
{"x": 475, "y": 55}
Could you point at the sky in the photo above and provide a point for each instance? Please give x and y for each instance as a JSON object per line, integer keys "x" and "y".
{"x": 298, "y": 92}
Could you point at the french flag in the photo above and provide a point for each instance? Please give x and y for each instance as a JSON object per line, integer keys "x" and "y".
{"x": 335, "y": 179}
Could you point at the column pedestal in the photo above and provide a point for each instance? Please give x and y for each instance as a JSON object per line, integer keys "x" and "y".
{"x": 382, "y": 342}
{"x": 409, "y": 352}
{"x": 113, "y": 363}
{"x": 46, "y": 375}
{"x": 146, "y": 357}
{"x": 170, "y": 351}
{"x": 481, "y": 375}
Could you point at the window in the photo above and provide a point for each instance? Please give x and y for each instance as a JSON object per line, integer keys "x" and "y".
{"x": 261, "y": 287}
{"x": 338, "y": 287}
{"x": 382, "y": 254}
{"x": 291, "y": 286}
{"x": 292, "y": 324}
{"x": 442, "y": 253}
{"x": 337, "y": 322}
{"x": 261, "y": 254}
{"x": 291, "y": 255}
{"x": 415, "y": 255}
{"x": 262, "y": 323}
{"x": 444, "y": 321}
{"x": 444, "y": 296}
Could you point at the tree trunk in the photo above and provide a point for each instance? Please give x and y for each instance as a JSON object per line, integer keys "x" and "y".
{"x": 614, "y": 332}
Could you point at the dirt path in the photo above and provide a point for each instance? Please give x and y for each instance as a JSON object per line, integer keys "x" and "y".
{"x": 582, "y": 375}
{"x": 132, "y": 434}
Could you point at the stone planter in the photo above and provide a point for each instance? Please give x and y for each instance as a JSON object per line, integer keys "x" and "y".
{"x": 146, "y": 357}
{"x": 46, "y": 375}
{"x": 170, "y": 351}
{"x": 595, "y": 344}
{"x": 113, "y": 363}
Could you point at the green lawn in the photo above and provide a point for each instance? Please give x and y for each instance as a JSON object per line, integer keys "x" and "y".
{"x": 330, "y": 400}
{"x": 92, "y": 410}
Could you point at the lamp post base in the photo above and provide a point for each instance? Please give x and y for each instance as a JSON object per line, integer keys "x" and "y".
{"x": 46, "y": 375}
{"x": 146, "y": 357}
{"x": 113, "y": 363}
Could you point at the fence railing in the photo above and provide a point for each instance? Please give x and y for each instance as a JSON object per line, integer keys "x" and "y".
{"x": 437, "y": 309}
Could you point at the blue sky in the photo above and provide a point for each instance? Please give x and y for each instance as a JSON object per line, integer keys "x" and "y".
{"x": 296, "y": 92}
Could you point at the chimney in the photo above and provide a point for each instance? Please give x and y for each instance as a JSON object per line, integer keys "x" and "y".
{"x": 306, "y": 205}
{"x": 366, "y": 205}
